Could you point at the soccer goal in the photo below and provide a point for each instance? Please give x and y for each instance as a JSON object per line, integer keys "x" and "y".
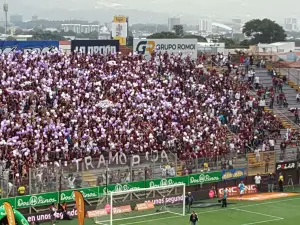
{"x": 135, "y": 206}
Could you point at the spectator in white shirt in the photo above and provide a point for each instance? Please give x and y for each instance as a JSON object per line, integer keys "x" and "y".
{"x": 256, "y": 82}
{"x": 257, "y": 154}
{"x": 257, "y": 180}
{"x": 272, "y": 144}
{"x": 71, "y": 180}
{"x": 298, "y": 97}
{"x": 262, "y": 103}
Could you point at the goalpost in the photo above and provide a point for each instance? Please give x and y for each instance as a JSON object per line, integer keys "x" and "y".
{"x": 136, "y": 205}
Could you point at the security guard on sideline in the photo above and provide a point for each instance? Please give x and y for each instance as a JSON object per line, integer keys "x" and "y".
{"x": 280, "y": 182}
{"x": 22, "y": 190}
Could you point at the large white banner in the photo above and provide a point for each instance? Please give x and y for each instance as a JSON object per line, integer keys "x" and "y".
{"x": 119, "y": 30}
{"x": 188, "y": 47}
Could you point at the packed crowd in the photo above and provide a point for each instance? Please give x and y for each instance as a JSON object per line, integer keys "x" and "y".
{"x": 63, "y": 107}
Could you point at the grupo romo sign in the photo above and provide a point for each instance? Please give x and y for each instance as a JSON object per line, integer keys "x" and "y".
{"x": 37, "y": 46}
{"x": 43, "y": 217}
{"x": 188, "y": 47}
{"x": 234, "y": 191}
{"x": 95, "y": 46}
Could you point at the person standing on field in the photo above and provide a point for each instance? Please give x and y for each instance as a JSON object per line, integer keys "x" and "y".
{"x": 280, "y": 182}
{"x": 224, "y": 199}
{"x": 257, "y": 180}
{"x": 189, "y": 200}
{"x": 193, "y": 218}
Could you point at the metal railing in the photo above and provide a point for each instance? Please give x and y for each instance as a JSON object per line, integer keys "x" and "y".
{"x": 54, "y": 177}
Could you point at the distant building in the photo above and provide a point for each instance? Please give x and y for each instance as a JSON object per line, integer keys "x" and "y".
{"x": 104, "y": 33}
{"x": 278, "y": 47}
{"x": 238, "y": 21}
{"x": 290, "y": 24}
{"x": 16, "y": 18}
{"x": 79, "y": 28}
{"x": 172, "y": 22}
{"x": 33, "y": 18}
{"x": 205, "y": 26}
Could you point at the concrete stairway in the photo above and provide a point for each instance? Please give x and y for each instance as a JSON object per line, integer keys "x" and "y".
{"x": 282, "y": 113}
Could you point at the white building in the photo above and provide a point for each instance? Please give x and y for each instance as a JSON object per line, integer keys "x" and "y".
{"x": 205, "y": 26}
{"x": 278, "y": 47}
{"x": 104, "y": 33}
{"x": 79, "y": 28}
{"x": 290, "y": 24}
{"x": 172, "y": 22}
{"x": 71, "y": 27}
{"x": 211, "y": 47}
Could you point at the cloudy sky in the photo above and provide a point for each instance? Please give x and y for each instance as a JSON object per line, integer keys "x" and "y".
{"x": 155, "y": 10}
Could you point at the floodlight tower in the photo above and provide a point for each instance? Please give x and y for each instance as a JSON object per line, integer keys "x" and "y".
{"x": 5, "y": 10}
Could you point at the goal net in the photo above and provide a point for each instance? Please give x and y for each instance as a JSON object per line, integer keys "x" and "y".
{"x": 134, "y": 206}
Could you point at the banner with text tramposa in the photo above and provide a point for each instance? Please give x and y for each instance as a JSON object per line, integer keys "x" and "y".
{"x": 188, "y": 47}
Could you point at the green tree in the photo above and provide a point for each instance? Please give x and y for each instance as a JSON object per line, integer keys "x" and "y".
{"x": 130, "y": 41}
{"x": 2, "y": 30}
{"x": 245, "y": 43}
{"x": 264, "y": 31}
{"x": 47, "y": 35}
{"x": 229, "y": 43}
{"x": 10, "y": 38}
{"x": 163, "y": 35}
{"x": 199, "y": 38}
{"x": 178, "y": 30}
{"x": 18, "y": 31}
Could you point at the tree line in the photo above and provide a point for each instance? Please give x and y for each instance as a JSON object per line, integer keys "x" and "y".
{"x": 255, "y": 31}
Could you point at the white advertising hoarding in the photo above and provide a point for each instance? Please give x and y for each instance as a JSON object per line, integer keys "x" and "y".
{"x": 188, "y": 47}
{"x": 119, "y": 29}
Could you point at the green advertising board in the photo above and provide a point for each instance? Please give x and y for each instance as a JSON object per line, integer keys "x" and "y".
{"x": 167, "y": 181}
{"x": 87, "y": 193}
{"x": 36, "y": 200}
{"x": 204, "y": 178}
{"x": 12, "y": 201}
{"x": 121, "y": 187}
{"x": 45, "y": 199}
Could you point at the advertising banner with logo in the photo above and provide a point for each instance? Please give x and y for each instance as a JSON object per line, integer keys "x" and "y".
{"x": 119, "y": 29}
{"x": 95, "y": 46}
{"x": 38, "y": 46}
{"x": 46, "y": 216}
{"x": 264, "y": 163}
{"x": 188, "y": 47}
{"x": 87, "y": 193}
{"x": 234, "y": 191}
{"x": 233, "y": 174}
{"x": 45, "y": 199}
{"x": 283, "y": 166}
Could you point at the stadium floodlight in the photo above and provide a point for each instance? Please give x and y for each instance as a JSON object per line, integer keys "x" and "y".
{"x": 134, "y": 205}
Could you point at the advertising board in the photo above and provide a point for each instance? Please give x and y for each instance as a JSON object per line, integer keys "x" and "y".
{"x": 38, "y": 46}
{"x": 234, "y": 191}
{"x": 262, "y": 164}
{"x": 45, "y": 199}
{"x": 95, "y": 46}
{"x": 282, "y": 166}
{"x": 119, "y": 29}
{"x": 46, "y": 216}
{"x": 188, "y": 47}
{"x": 233, "y": 174}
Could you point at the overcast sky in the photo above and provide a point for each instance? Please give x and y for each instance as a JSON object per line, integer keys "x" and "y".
{"x": 156, "y": 10}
